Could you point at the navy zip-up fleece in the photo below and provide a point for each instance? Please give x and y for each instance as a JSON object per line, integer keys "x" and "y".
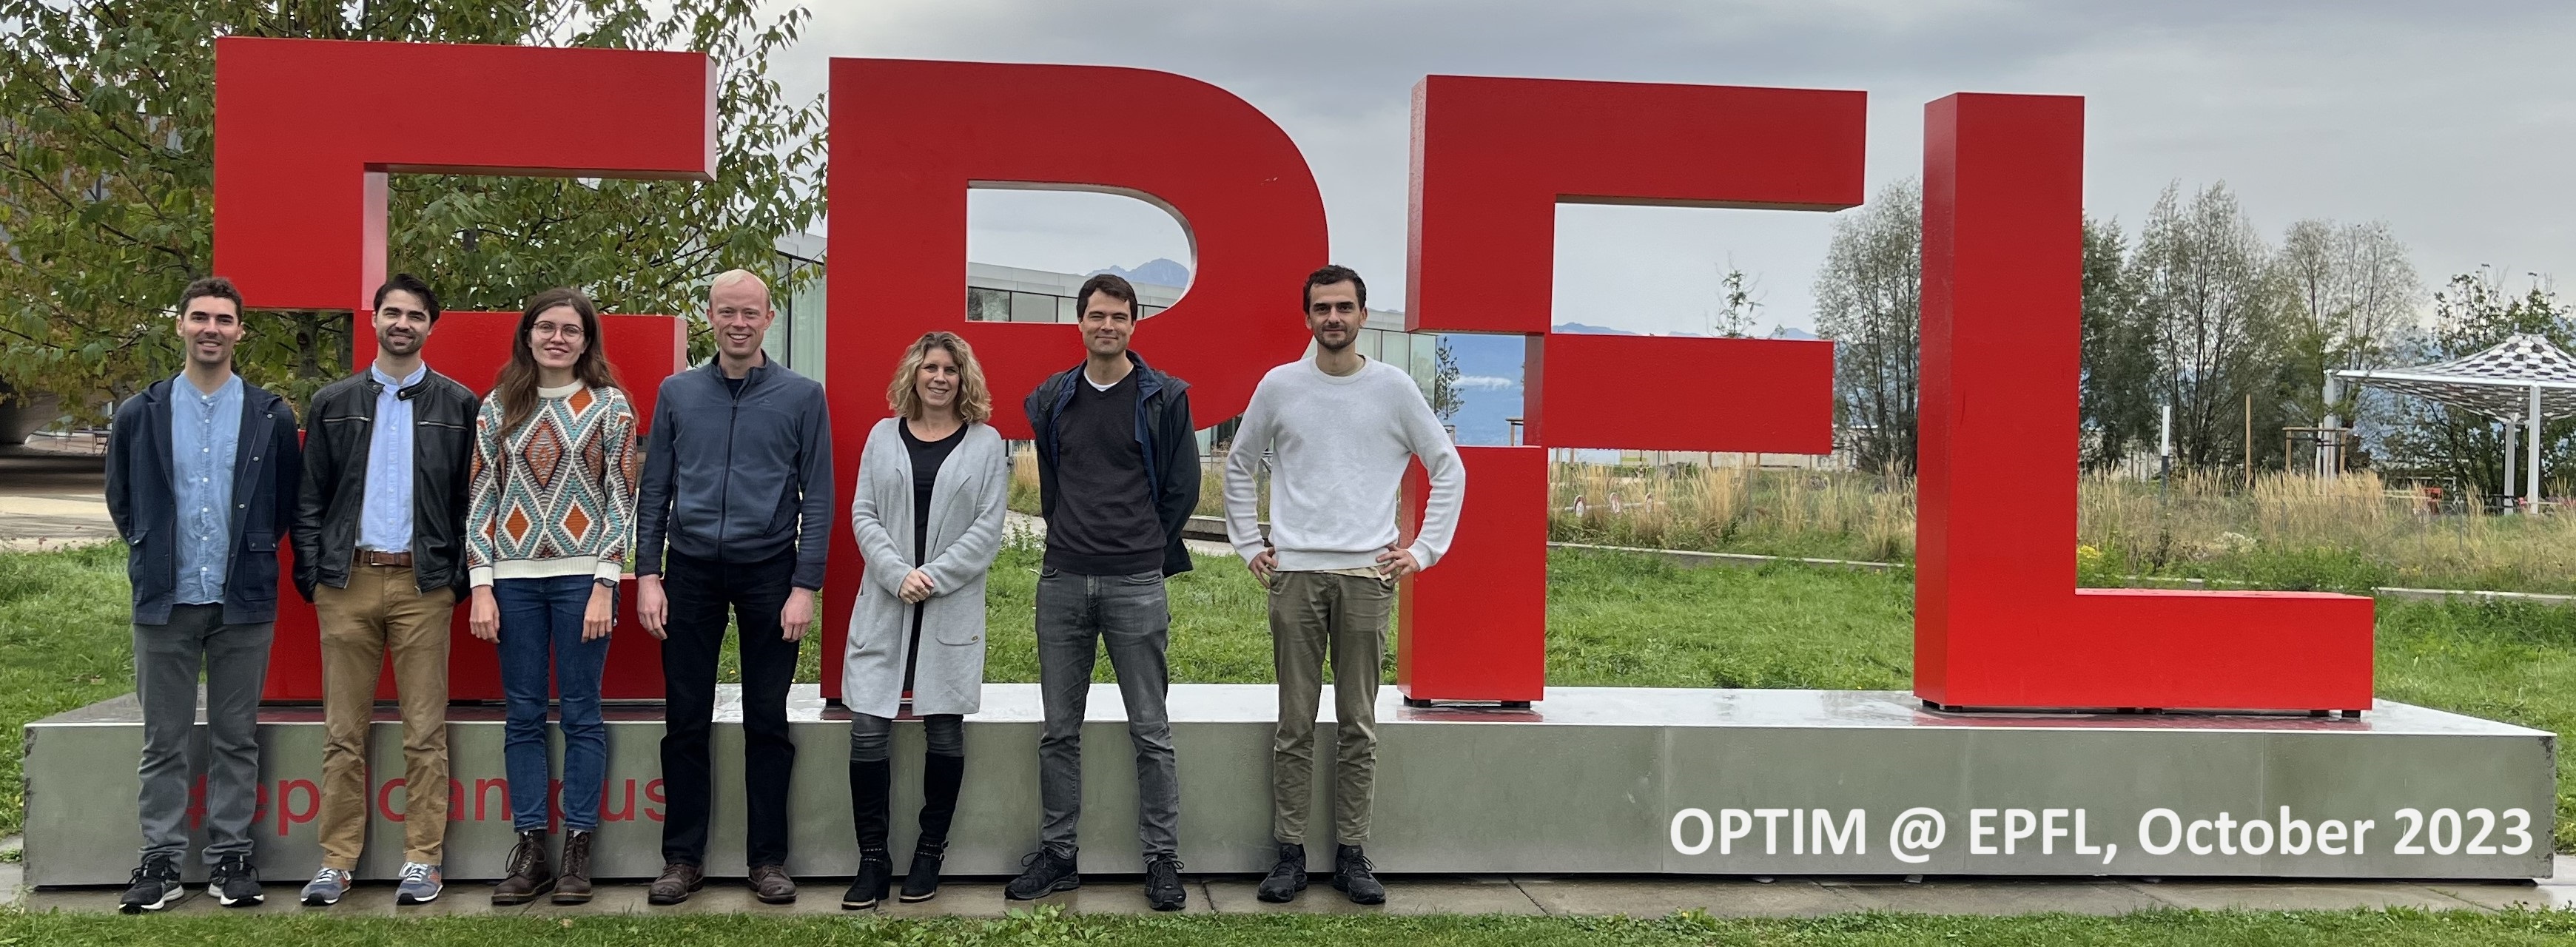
{"x": 737, "y": 477}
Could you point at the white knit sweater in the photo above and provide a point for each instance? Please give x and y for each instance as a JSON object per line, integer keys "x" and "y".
{"x": 1340, "y": 446}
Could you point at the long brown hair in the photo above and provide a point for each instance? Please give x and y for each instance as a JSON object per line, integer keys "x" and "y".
{"x": 517, "y": 388}
{"x": 974, "y": 401}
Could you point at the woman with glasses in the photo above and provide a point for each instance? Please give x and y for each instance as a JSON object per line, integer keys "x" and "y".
{"x": 551, "y": 506}
{"x": 928, "y": 514}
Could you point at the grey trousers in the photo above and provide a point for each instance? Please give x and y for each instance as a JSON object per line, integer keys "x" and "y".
{"x": 167, "y": 659}
{"x": 1078, "y": 615}
{"x": 1312, "y": 613}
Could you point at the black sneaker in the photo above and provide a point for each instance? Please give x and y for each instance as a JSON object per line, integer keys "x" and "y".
{"x": 1353, "y": 875}
{"x": 1042, "y": 874}
{"x": 1287, "y": 878}
{"x": 234, "y": 883}
{"x": 1163, "y": 883}
{"x": 154, "y": 887}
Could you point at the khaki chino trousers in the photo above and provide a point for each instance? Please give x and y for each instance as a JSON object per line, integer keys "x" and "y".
{"x": 382, "y": 611}
{"x": 1315, "y": 617}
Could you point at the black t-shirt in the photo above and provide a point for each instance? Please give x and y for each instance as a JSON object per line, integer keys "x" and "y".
{"x": 926, "y": 458}
{"x": 1104, "y": 521}
{"x": 733, "y": 384}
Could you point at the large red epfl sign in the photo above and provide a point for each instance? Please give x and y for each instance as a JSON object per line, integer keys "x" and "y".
{"x": 303, "y": 143}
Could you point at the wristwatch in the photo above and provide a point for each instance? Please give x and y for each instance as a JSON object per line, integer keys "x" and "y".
{"x": 604, "y": 583}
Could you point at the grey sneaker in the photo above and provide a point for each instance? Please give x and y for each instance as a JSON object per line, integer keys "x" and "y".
{"x": 326, "y": 888}
{"x": 420, "y": 884}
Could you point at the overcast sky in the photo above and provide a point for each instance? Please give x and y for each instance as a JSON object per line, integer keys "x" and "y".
{"x": 2456, "y": 123}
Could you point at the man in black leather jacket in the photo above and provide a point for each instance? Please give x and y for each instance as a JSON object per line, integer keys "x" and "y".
{"x": 379, "y": 550}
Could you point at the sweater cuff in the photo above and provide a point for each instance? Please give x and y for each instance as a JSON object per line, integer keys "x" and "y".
{"x": 611, "y": 570}
{"x": 1423, "y": 557}
{"x": 479, "y": 576}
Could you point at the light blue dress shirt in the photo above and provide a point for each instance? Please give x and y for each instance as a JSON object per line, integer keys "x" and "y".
{"x": 205, "y": 430}
{"x": 384, "y": 515}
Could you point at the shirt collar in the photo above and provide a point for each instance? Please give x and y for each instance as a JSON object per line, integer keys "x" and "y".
{"x": 390, "y": 381}
{"x": 232, "y": 385}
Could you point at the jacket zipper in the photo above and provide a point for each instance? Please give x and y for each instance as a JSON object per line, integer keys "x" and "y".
{"x": 724, "y": 487}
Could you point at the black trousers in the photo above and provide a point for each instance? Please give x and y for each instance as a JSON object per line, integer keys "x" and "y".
{"x": 700, "y": 591}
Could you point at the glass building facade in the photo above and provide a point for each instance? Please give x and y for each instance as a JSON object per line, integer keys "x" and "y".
{"x": 1013, "y": 294}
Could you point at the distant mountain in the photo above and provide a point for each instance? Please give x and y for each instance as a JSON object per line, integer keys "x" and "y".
{"x": 1801, "y": 335}
{"x": 1157, "y": 271}
{"x": 1578, "y": 328}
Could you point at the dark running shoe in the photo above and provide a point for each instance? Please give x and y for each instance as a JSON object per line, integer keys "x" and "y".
{"x": 234, "y": 883}
{"x": 154, "y": 887}
{"x": 1354, "y": 876}
{"x": 1287, "y": 878}
{"x": 1163, "y": 883}
{"x": 1043, "y": 874}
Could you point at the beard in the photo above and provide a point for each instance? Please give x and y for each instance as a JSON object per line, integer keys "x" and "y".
{"x": 1348, "y": 337}
{"x": 402, "y": 344}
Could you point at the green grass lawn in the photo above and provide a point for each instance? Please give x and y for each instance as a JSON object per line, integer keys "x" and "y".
{"x": 2148, "y": 929}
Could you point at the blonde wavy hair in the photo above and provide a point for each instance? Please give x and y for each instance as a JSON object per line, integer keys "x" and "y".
{"x": 974, "y": 401}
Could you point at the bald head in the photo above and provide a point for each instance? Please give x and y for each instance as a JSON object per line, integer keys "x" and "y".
{"x": 732, "y": 283}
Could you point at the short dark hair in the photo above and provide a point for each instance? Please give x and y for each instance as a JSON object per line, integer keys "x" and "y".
{"x": 1335, "y": 273}
{"x": 1111, "y": 285}
{"x": 413, "y": 285}
{"x": 215, "y": 286}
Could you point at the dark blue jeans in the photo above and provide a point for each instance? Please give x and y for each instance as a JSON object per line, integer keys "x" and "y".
{"x": 541, "y": 626}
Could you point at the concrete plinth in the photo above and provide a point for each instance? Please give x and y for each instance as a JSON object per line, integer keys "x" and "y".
{"x": 1590, "y": 780}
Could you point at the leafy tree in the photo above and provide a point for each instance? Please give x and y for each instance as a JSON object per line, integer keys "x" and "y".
{"x": 106, "y": 171}
{"x": 2212, "y": 311}
{"x": 2118, "y": 381}
{"x": 1446, "y": 401}
{"x": 1736, "y": 305}
{"x": 2352, "y": 298}
{"x": 1869, "y": 300}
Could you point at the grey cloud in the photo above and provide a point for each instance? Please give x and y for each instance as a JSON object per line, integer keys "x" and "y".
{"x": 2449, "y": 121}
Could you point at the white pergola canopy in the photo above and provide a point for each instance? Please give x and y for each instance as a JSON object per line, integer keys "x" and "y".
{"x": 2523, "y": 380}
{"x": 2497, "y": 382}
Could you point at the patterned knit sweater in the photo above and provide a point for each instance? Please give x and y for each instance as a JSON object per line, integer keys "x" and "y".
{"x": 557, "y": 496}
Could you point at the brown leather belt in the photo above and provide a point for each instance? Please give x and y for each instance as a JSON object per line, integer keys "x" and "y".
{"x": 371, "y": 557}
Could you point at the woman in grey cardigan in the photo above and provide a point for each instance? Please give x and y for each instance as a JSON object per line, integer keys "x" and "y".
{"x": 928, "y": 514}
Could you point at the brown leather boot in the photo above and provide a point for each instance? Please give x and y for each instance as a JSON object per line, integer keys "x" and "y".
{"x": 770, "y": 884}
{"x": 573, "y": 885}
{"x": 677, "y": 881}
{"x": 529, "y": 875}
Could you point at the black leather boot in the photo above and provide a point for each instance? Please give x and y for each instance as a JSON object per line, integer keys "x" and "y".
{"x": 869, "y": 788}
{"x": 941, "y": 776}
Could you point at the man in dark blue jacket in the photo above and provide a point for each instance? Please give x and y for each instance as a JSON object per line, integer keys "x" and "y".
{"x": 1118, "y": 475}
{"x": 201, "y": 479}
{"x": 738, "y": 484}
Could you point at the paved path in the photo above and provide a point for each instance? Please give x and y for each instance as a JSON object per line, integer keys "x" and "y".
{"x": 49, "y": 500}
{"x": 1561, "y": 895}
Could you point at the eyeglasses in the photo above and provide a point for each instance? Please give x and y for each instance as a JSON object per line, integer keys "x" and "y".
{"x": 561, "y": 330}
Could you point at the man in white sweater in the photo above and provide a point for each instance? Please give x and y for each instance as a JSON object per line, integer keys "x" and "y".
{"x": 1340, "y": 428}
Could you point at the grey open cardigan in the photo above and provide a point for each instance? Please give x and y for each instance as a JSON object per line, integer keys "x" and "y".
{"x": 966, "y": 505}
